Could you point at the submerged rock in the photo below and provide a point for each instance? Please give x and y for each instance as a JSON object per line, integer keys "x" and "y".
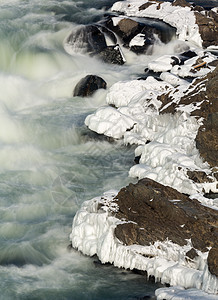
{"x": 88, "y": 85}
{"x": 154, "y": 212}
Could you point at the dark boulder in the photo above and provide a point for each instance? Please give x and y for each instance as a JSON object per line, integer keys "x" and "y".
{"x": 112, "y": 54}
{"x": 154, "y": 212}
{"x": 87, "y": 38}
{"x": 148, "y": 34}
{"x": 88, "y": 85}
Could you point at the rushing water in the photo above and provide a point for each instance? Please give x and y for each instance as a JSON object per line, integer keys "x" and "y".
{"x": 48, "y": 163}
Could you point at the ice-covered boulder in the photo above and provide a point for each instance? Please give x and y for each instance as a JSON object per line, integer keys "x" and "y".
{"x": 150, "y": 211}
{"x": 110, "y": 122}
{"x": 137, "y": 35}
{"x": 196, "y": 25}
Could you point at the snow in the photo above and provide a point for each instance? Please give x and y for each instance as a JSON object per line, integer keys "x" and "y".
{"x": 172, "y": 79}
{"x": 138, "y": 40}
{"x": 93, "y": 234}
{"x": 123, "y": 92}
{"x": 161, "y": 64}
{"x": 179, "y": 293}
{"x": 109, "y": 121}
{"x": 182, "y": 18}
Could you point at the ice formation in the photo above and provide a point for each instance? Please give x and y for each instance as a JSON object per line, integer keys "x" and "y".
{"x": 135, "y": 118}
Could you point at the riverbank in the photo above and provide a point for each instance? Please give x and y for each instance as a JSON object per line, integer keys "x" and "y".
{"x": 162, "y": 115}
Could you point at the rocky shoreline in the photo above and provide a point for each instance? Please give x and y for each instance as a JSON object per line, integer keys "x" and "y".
{"x": 165, "y": 224}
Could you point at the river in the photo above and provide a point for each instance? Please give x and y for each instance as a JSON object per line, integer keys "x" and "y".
{"x": 49, "y": 163}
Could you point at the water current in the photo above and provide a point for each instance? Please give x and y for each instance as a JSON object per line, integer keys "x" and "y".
{"x": 49, "y": 163}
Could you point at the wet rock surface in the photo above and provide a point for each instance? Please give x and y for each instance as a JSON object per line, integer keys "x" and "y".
{"x": 88, "y": 38}
{"x": 88, "y": 85}
{"x": 113, "y": 55}
{"x": 155, "y": 212}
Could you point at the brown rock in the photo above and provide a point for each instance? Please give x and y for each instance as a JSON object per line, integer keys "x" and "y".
{"x": 155, "y": 212}
{"x": 208, "y": 27}
{"x": 181, "y": 3}
{"x": 212, "y": 261}
{"x": 207, "y": 139}
{"x": 192, "y": 253}
{"x": 127, "y": 29}
{"x": 146, "y": 5}
{"x": 202, "y": 94}
{"x": 199, "y": 176}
